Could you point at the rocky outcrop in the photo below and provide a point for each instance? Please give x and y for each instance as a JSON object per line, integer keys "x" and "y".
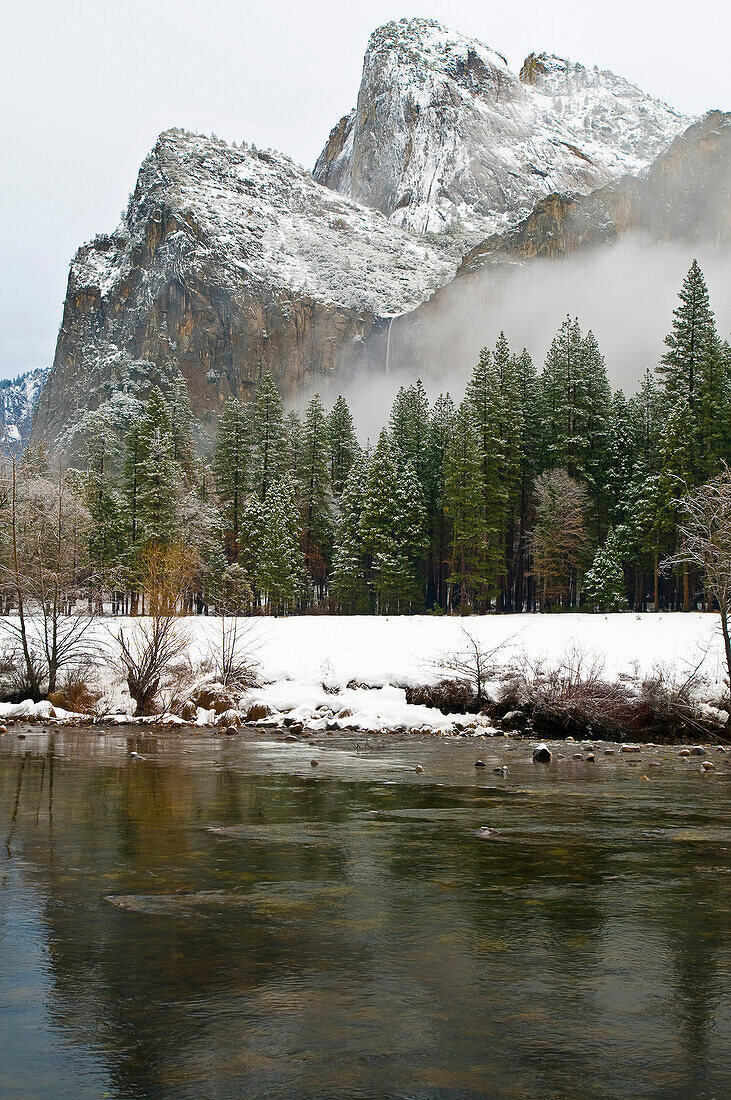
{"x": 445, "y": 138}
{"x": 684, "y": 196}
{"x": 228, "y": 261}
{"x": 18, "y": 400}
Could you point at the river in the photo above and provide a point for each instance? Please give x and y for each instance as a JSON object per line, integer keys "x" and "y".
{"x": 217, "y": 917}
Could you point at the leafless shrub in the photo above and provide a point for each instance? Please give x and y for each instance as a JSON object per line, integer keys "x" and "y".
{"x": 230, "y": 653}
{"x": 77, "y": 690}
{"x": 448, "y": 696}
{"x": 575, "y": 697}
{"x": 145, "y": 653}
{"x": 571, "y": 696}
{"x": 475, "y": 665}
{"x": 705, "y": 542}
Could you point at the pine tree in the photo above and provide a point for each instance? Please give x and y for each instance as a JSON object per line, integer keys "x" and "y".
{"x": 693, "y": 332}
{"x": 343, "y": 446}
{"x": 604, "y": 584}
{"x": 483, "y": 399}
{"x": 314, "y": 493}
{"x": 530, "y": 450}
{"x": 349, "y": 583}
{"x": 107, "y": 529}
{"x": 293, "y": 444}
{"x": 464, "y": 504}
{"x": 392, "y": 528}
{"x": 509, "y": 428}
{"x": 409, "y": 422}
{"x": 159, "y": 475}
{"x": 280, "y": 567}
{"x": 440, "y": 434}
{"x": 230, "y": 469}
{"x": 268, "y": 437}
{"x": 181, "y": 426}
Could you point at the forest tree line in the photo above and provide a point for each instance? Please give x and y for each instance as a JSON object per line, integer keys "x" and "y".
{"x": 538, "y": 491}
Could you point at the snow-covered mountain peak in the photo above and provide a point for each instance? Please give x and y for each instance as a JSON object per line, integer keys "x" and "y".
{"x": 257, "y": 215}
{"x": 445, "y": 138}
{"x": 425, "y": 43}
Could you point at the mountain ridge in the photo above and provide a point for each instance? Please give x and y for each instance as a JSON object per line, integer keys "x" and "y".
{"x": 445, "y": 137}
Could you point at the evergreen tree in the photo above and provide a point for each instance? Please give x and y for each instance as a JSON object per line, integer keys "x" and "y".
{"x": 349, "y": 559}
{"x": 280, "y": 565}
{"x": 314, "y": 493}
{"x": 483, "y": 399}
{"x": 464, "y": 504}
{"x": 268, "y": 437}
{"x": 181, "y": 426}
{"x": 693, "y": 334}
{"x": 159, "y": 475}
{"x": 293, "y": 444}
{"x": 604, "y": 584}
{"x": 107, "y": 529}
{"x": 530, "y": 450}
{"x": 440, "y": 434}
{"x": 392, "y": 528}
{"x": 409, "y": 422}
{"x": 343, "y": 446}
{"x": 230, "y": 469}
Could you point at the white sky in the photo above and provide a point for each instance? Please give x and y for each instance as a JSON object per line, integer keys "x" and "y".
{"x": 86, "y": 86}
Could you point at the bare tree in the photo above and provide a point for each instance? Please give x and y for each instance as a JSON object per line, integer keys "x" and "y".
{"x": 231, "y": 653}
{"x": 705, "y": 541}
{"x": 475, "y": 664}
{"x": 145, "y": 653}
{"x": 559, "y": 541}
{"x": 42, "y": 570}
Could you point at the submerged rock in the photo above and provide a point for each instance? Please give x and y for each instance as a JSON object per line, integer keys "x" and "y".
{"x": 485, "y": 832}
{"x": 542, "y": 754}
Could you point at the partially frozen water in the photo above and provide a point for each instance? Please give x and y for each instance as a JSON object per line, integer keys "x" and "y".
{"x": 219, "y": 918}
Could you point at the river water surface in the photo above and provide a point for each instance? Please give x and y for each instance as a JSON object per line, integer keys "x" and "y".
{"x": 219, "y": 918}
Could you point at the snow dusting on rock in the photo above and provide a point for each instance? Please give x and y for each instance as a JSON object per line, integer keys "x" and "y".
{"x": 445, "y": 138}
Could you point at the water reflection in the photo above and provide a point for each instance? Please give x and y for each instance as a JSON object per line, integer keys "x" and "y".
{"x": 219, "y": 920}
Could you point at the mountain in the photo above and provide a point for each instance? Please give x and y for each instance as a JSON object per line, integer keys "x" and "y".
{"x": 678, "y": 208}
{"x": 18, "y": 400}
{"x": 445, "y": 138}
{"x": 228, "y": 260}
{"x": 685, "y": 195}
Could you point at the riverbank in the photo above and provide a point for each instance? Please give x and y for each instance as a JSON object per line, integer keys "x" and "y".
{"x": 622, "y": 677}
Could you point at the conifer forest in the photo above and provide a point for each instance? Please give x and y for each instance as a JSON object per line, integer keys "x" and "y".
{"x": 539, "y": 490}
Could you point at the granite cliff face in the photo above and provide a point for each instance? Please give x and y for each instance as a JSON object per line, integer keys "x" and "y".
{"x": 18, "y": 400}
{"x": 445, "y": 138}
{"x": 228, "y": 261}
{"x": 683, "y": 201}
{"x": 684, "y": 196}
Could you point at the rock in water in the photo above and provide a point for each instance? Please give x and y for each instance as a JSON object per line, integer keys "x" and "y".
{"x": 480, "y": 764}
{"x": 485, "y": 832}
{"x": 542, "y": 754}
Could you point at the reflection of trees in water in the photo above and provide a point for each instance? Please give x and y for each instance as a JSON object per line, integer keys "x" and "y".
{"x": 433, "y": 939}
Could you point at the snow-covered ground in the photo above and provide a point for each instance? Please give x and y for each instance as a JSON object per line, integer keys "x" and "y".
{"x": 305, "y": 664}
